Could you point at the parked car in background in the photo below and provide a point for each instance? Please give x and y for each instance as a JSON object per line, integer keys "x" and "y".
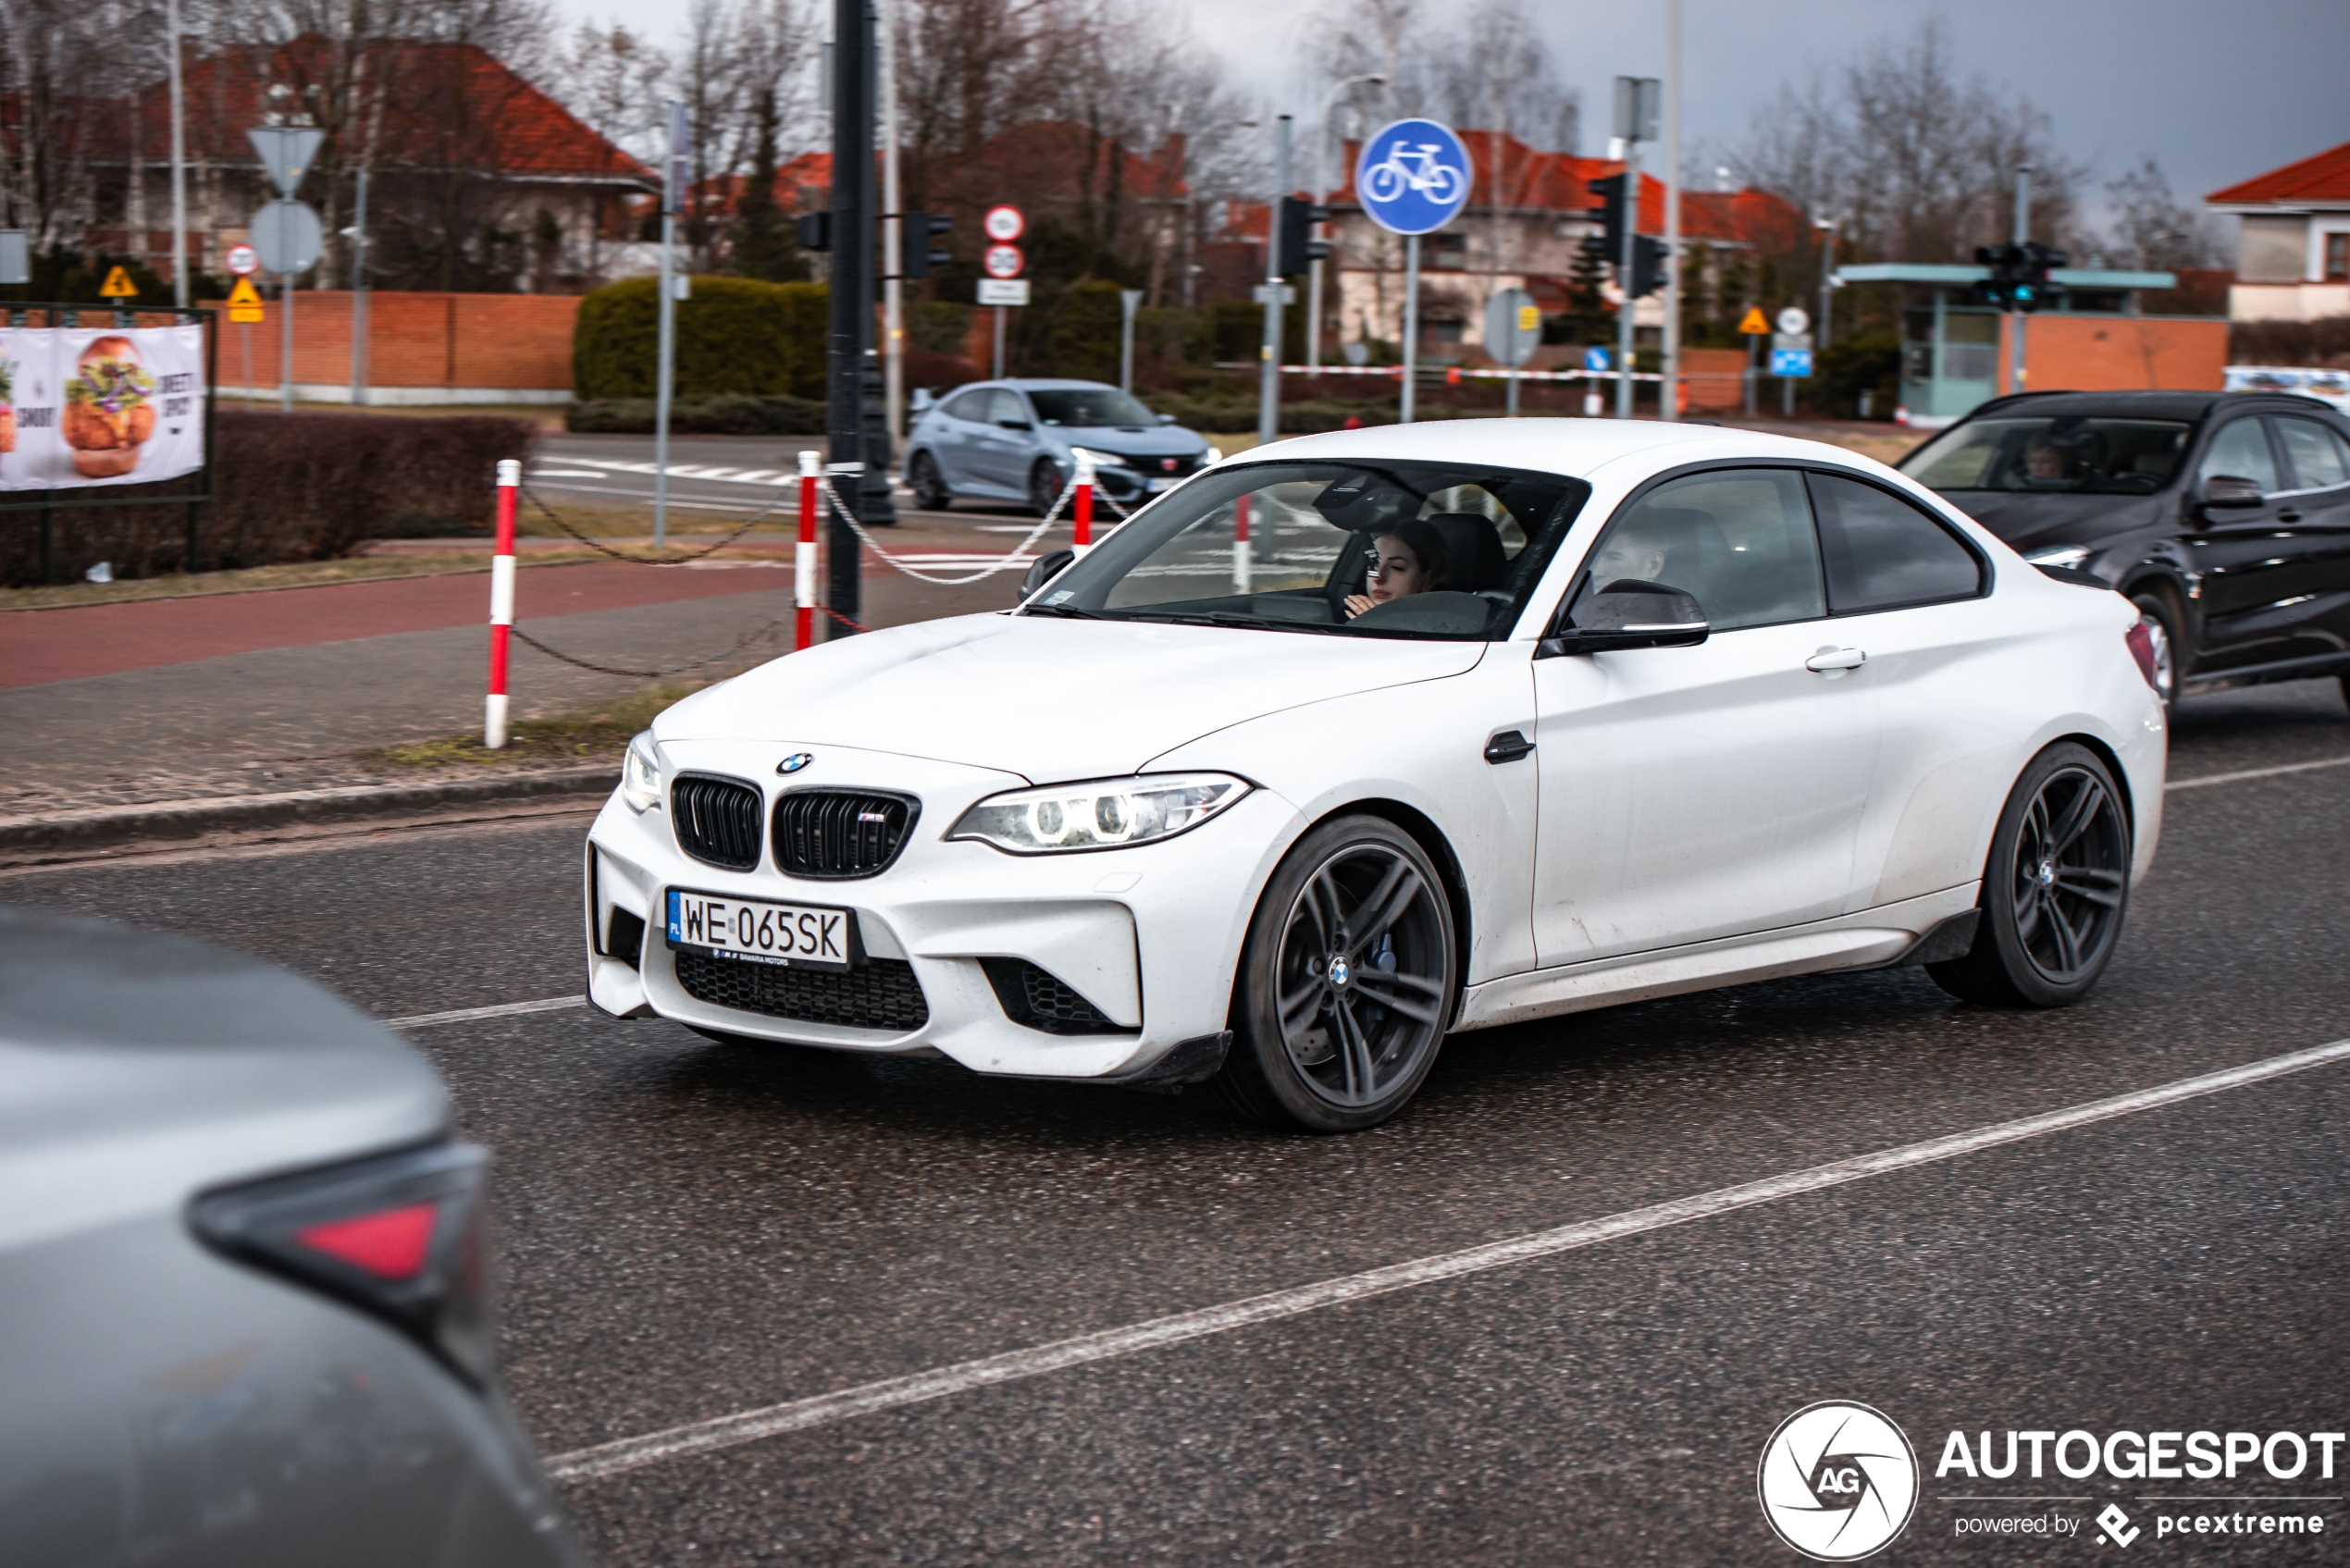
{"x": 247, "y": 1314}
{"x": 2224, "y": 516}
{"x": 1018, "y": 441}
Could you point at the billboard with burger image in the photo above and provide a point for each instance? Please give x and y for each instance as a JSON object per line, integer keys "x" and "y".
{"x": 105, "y": 406}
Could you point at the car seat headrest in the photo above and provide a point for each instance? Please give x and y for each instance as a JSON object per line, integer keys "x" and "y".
{"x": 1473, "y": 548}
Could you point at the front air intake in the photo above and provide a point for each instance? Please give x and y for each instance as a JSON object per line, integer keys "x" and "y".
{"x": 716, "y": 820}
{"x": 1041, "y": 1000}
{"x": 835, "y": 834}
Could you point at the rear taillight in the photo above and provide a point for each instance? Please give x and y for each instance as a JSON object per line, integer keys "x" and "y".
{"x": 2141, "y": 643}
{"x": 400, "y": 1236}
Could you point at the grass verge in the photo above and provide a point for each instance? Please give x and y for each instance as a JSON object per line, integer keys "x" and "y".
{"x": 598, "y": 733}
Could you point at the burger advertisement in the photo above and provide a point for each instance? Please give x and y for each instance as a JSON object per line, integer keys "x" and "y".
{"x": 108, "y": 406}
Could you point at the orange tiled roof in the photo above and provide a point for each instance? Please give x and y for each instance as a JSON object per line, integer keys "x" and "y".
{"x": 2323, "y": 179}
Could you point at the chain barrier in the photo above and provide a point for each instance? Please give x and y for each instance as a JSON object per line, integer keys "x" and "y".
{"x": 757, "y": 633}
{"x": 556, "y": 518}
{"x": 840, "y": 510}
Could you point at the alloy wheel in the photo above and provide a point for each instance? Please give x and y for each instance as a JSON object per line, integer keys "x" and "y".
{"x": 1360, "y": 982}
{"x": 2071, "y": 867}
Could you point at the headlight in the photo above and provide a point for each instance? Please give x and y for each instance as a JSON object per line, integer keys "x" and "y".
{"x": 2059, "y": 555}
{"x": 1099, "y": 459}
{"x": 640, "y": 775}
{"x": 1104, "y": 814}
{"x": 1215, "y": 454}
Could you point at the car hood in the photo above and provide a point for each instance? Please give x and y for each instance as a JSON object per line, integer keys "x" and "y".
{"x": 1047, "y": 700}
{"x": 1155, "y": 441}
{"x": 2027, "y": 521}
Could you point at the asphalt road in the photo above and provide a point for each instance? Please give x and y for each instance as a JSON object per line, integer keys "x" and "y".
{"x": 692, "y": 1231}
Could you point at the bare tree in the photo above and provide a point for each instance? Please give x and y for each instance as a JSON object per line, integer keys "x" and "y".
{"x": 2153, "y": 230}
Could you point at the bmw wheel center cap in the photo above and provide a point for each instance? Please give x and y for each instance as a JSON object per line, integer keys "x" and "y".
{"x": 1340, "y": 973}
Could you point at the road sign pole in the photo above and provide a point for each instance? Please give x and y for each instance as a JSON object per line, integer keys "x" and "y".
{"x": 1269, "y": 365}
{"x": 1411, "y": 325}
{"x": 673, "y": 194}
{"x": 849, "y": 331}
{"x": 285, "y": 343}
{"x": 359, "y": 294}
{"x": 178, "y": 163}
{"x": 1130, "y": 300}
{"x": 2015, "y": 316}
{"x": 998, "y": 374}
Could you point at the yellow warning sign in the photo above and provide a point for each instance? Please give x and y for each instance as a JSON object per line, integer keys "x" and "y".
{"x": 1752, "y": 321}
{"x": 244, "y": 302}
{"x": 118, "y": 285}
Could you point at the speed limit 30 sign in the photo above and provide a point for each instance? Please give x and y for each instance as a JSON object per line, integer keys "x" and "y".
{"x": 1003, "y": 261}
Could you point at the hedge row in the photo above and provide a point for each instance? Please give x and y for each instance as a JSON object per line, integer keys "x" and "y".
{"x": 735, "y": 335}
{"x": 726, "y": 415}
{"x": 286, "y": 487}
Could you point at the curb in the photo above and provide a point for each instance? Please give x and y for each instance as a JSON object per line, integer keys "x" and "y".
{"x": 113, "y": 826}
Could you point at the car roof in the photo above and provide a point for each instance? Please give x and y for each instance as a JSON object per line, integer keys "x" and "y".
{"x": 1052, "y": 382}
{"x": 136, "y": 1066}
{"x": 1564, "y": 446}
{"x": 2187, "y": 405}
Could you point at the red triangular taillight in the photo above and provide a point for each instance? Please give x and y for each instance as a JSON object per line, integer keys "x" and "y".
{"x": 390, "y": 1245}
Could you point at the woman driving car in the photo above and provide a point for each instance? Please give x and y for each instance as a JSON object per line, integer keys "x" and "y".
{"x": 1407, "y": 559}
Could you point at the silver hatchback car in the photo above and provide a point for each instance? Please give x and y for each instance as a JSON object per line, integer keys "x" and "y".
{"x": 1018, "y": 441}
{"x": 244, "y": 1307}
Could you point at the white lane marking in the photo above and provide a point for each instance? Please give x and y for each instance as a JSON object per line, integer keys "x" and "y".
{"x": 566, "y": 472}
{"x": 501, "y": 1010}
{"x": 2257, "y": 774}
{"x": 750, "y": 1425}
{"x": 689, "y": 471}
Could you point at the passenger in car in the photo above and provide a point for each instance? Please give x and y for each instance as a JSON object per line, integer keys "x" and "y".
{"x": 1408, "y": 559}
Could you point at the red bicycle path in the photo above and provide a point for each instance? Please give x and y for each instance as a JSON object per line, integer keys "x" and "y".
{"x": 39, "y": 646}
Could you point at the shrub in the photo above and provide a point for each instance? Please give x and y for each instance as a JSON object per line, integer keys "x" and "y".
{"x": 734, "y": 335}
{"x": 2323, "y": 343}
{"x": 288, "y": 486}
{"x": 728, "y": 414}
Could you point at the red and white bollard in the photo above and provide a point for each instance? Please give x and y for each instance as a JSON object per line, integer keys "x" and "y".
{"x": 1081, "y": 504}
{"x": 1239, "y": 545}
{"x": 501, "y": 603}
{"x": 803, "y": 559}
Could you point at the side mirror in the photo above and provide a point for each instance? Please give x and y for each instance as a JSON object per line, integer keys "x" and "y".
{"x": 1166, "y": 419}
{"x": 1049, "y": 566}
{"x": 2229, "y": 492}
{"x": 1015, "y": 425}
{"x": 1630, "y": 613}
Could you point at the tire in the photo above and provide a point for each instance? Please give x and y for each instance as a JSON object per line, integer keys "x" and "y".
{"x": 929, "y": 488}
{"x": 1043, "y": 486}
{"x": 2055, "y": 888}
{"x": 2161, "y": 622}
{"x": 1348, "y": 1051}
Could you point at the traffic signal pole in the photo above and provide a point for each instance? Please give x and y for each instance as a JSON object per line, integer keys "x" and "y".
{"x": 1268, "y": 369}
{"x": 1624, "y": 278}
{"x": 849, "y": 337}
{"x": 2015, "y": 312}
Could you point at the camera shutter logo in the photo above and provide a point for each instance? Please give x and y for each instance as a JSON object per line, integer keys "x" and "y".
{"x": 1837, "y": 1481}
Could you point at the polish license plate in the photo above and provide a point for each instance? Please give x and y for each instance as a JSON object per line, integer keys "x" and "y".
{"x": 792, "y": 935}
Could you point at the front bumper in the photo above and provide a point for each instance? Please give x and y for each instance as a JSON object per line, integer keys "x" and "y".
{"x": 1149, "y": 934}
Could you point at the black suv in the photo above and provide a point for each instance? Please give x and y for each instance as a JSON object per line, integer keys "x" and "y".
{"x": 2224, "y": 515}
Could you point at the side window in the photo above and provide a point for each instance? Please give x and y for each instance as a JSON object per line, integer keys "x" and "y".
{"x": 1738, "y": 540}
{"x": 1883, "y": 552}
{"x": 2314, "y": 453}
{"x": 1005, "y": 405}
{"x": 971, "y": 405}
{"x": 2241, "y": 450}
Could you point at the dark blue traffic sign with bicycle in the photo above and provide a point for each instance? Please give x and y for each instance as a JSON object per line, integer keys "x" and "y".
{"x": 1413, "y": 176}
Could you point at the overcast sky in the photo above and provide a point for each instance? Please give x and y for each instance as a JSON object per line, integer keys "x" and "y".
{"x": 2217, "y": 92}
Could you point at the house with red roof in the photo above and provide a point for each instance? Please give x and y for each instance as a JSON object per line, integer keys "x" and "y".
{"x": 2292, "y": 245}
{"x": 479, "y": 177}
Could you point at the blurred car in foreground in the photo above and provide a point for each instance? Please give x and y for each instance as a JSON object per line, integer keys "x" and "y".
{"x": 2224, "y": 516}
{"x": 1018, "y": 441}
{"x": 247, "y": 1316}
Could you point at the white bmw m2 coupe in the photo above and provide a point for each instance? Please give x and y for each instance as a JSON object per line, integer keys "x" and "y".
{"x": 1360, "y": 739}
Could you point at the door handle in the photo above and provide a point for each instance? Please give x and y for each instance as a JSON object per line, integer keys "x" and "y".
{"x": 2288, "y": 517}
{"x": 1829, "y": 659}
{"x": 1508, "y": 747}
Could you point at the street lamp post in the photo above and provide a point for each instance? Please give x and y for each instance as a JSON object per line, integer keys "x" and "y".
{"x": 1321, "y": 197}
{"x": 1826, "y": 225}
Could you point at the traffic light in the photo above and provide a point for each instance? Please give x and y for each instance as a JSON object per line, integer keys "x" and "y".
{"x": 2004, "y": 262}
{"x": 1648, "y": 264}
{"x": 1611, "y": 209}
{"x": 915, "y": 231}
{"x": 1295, "y": 248}
{"x": 816, "y": 231}
{"x": 2034, "y": 289}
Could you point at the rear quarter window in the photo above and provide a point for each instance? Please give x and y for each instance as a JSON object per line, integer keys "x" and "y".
{"x": 1885, "y": 552}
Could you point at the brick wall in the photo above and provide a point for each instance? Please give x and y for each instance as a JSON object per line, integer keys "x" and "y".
{"x": 2106, "y": 353}
{"x": 417, "y": 343}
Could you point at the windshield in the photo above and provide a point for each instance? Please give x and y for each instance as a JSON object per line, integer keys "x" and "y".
{"x": 2082, "y": 455}
{"x": 1403, "y": 549}
{"x": 1088, "y": 406}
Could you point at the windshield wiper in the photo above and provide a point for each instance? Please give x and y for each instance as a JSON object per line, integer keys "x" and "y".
{"x": 1070, "y": 610}
{"x": 1228, "y": 618}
